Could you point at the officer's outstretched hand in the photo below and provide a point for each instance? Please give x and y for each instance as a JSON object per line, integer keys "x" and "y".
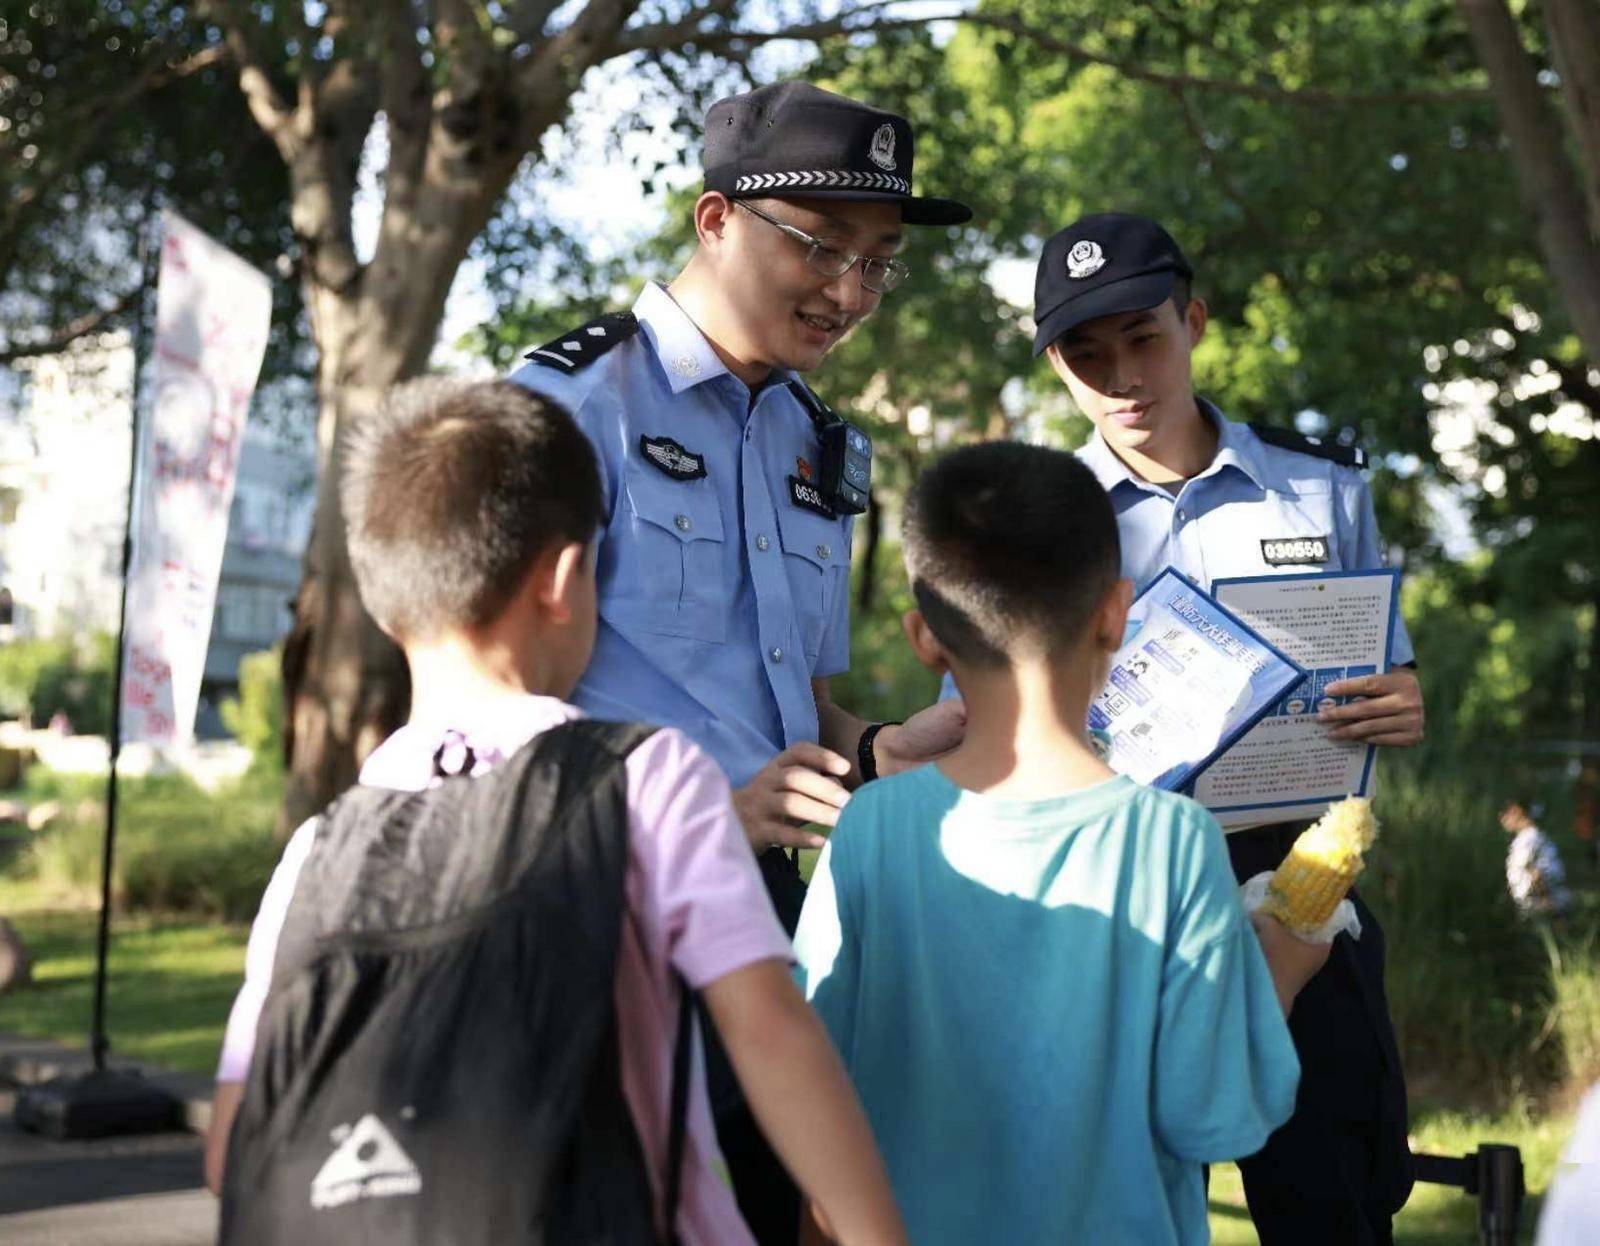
{"x": 1389, "y": 713}
{"x": 804, "y": 783}
{"x": 928, "y": 734}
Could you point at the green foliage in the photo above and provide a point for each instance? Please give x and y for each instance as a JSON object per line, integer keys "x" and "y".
{"x": 41, "y": 677}
{"x": 97, "y": 133}
{"x": 885, "y": 681}
{"x": 1466, "y": 978}
{"x": 255, "y": 716}
{"x": 1574, "y": 1006}
{"x": 179, "y": 848}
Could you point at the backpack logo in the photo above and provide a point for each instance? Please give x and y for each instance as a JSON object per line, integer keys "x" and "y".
{"x": 368, "y": 1164}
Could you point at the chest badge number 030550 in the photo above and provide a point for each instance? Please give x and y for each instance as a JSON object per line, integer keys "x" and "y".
{"x": 1295, "y": 551}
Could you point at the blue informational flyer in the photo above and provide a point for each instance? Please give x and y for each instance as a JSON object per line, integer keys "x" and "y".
{"x": 1190, "y": 679}
{"x": 1336, "y": 625}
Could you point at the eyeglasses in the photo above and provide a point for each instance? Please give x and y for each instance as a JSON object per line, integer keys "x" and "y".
{"x": 878, "y": 274}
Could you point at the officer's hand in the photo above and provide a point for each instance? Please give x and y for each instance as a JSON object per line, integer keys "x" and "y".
{"x": 1292, "y": 960}
{"x": 1391, "y": 713}
{"x": 928, "y": 734}
{"x": 799, "y": 785}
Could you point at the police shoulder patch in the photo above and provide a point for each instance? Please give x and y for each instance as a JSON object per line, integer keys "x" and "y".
{"x": 1317, "y": 447}
{"x": 583, "y": 345}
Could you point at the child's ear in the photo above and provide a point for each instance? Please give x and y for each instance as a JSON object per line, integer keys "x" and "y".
{"x": 924, "y": 643}
{"x": 560, "y": 570}
{"x": 1113, "y": 615}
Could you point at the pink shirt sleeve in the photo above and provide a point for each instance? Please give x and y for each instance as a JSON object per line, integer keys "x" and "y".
{"x": 239, "y": 1041}
{"x": 701, "y": 886}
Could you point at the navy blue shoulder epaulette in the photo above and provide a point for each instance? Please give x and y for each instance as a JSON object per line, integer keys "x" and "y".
{"x": 577, "y": 347}
{"x": 1317, "y": 447}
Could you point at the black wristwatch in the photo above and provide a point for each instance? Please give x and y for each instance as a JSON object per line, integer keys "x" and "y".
{"x": 866, "y": 761}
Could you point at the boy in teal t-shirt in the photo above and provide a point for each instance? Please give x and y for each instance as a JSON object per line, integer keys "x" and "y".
{"x": 1038, "y": 973}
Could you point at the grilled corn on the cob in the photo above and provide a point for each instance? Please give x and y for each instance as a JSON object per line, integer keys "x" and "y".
{"x": 1322, "y": 866}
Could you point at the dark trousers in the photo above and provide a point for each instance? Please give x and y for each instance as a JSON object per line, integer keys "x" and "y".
{"x": 768, "y": 1199}
{"x": 1339, "y": 1168}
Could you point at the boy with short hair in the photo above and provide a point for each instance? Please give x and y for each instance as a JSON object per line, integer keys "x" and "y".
{"x": 1038, "y": 973}
{"x": 472, "y": 512}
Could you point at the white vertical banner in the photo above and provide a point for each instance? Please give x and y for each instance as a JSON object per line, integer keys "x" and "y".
{"x": 212, "y": 315}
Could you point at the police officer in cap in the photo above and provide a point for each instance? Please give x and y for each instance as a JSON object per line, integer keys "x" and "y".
{"x": 731, "y": 491}
{"x": 1197, "y": 491}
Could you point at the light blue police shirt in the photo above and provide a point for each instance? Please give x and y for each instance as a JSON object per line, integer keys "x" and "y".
{"x": 720, "y": 595}
{"x": 1252, "y": 493}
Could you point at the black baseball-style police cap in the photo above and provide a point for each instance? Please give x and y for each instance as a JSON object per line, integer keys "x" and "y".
{"x": 1102, "y": 265}
{"x": 794, "y": 140}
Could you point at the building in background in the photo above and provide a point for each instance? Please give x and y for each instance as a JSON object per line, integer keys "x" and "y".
{"x": 64, "y": 429}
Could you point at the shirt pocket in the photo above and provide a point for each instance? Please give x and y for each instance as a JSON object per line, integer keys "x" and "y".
{"x": 815, "y": 559}
{"x": 668, "y": 573}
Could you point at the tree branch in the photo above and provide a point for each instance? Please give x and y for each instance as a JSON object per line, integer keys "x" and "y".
{"x": 1219, "y": 165}
{"x": 526, "y": 20}
{"x": 266, "y": 105}
{"x": 70, "y": 332}
{"x": 547, "y": 80}
{"x": 86, "y": 123}
{"x": 1545, "y": 174}
{"x": 663, "y": 35}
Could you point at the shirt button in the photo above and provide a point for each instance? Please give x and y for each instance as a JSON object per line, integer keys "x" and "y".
{"x": 1183, "y": 514}
{"x": 824, "y": 553}
{"x": 777, "y": 655}
{"x": 683, "y": 523}
{"x": 762, "y": 542}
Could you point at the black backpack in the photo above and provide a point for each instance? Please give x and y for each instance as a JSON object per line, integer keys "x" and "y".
{"x": 437, "y": 1058}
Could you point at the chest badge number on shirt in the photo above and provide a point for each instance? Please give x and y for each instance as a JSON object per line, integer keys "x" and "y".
{"x": 667, "y": 455}
{"x": 808, "y": 497}
{"x": 1293, "y": 551}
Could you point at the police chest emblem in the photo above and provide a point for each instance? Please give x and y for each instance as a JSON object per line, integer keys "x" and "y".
{"x": 808, "y": 497}
{"x": 882, "y": 151}
{"x": 1085, "y": 259}
{"x": 670, "y": 457}
{"x": 1291, "y": 551}
{"x": 803, "y": 468}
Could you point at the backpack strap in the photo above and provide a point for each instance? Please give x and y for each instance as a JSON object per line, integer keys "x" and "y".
{"x": 678, "y": 1123}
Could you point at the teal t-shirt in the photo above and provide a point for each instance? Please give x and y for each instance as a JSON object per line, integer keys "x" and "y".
{"x": 1054, "y": 1011}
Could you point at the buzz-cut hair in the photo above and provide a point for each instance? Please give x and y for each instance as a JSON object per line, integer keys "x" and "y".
{"x": 451, "y": 490}
{"x": 1010, "y": 548}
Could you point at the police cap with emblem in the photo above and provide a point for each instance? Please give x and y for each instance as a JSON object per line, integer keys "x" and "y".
{"x": 1103, "y": 265}
{"x": 794, "y": 140}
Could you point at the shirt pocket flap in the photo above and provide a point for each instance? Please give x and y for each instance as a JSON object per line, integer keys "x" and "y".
{"x": 812, "y": 537}
{"x": 686, "y": 509}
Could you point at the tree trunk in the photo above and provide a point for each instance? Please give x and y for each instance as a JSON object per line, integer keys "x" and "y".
{"x": 1548, "y": 179}
{"x": 1574, "y": 27}
{"x": 345, "y": 683}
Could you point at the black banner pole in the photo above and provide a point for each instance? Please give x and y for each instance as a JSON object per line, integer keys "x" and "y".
{"x": 103, "y": 1101}
{"x": 98, "y": 1042}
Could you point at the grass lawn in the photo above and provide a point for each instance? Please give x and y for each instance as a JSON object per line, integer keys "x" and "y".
{"x": 172, "y": 982}
{"x": 1436, "y": 1215}
{"x": 168, "y": 991}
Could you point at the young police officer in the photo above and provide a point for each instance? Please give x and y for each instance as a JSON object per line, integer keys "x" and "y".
{"x": 1213, "y": 498}
{"x": 731, "y": 490}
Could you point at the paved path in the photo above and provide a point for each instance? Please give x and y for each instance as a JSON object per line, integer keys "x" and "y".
{"x": 130, "y": 1191}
